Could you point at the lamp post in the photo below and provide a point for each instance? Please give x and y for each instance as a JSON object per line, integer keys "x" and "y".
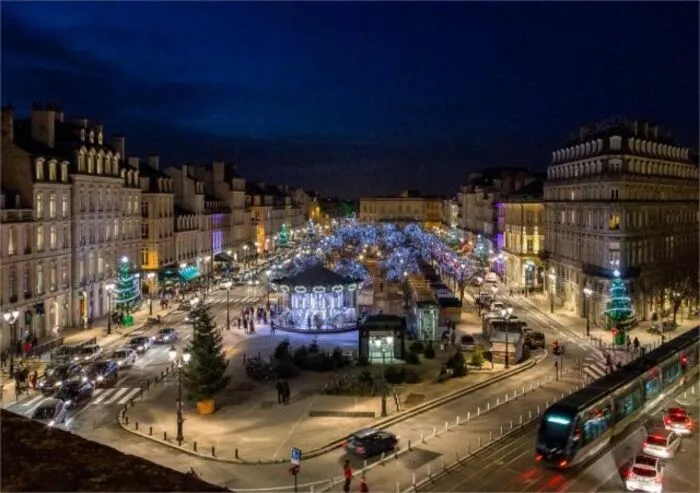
{"x": 180, "y": 359}
{"x": 11, "y": 319}
{"x": 209, "y": 271}
{"x": 110, "y": 289}
{"x": 227, "y": 285}
{"x": 267, "y": 275}
{"x": 383, "y": 344}
{"x": 245, "y": 256}
{"x": 150, "y": 276}
{"x": 588, "y": 292}
{"x": 552, "y": 279}
{"x": 506, "y": 313}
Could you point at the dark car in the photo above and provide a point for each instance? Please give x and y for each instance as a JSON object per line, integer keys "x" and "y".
{"x": 535, "y": 340}
{"x": 76, "y": 392}
{"x": 167, "y": 335}
{"x": 140, "y": 344}
{"x": 51, "y": 411}
{"x": 57, "y": 375}
{"x": 103, "y": 373}
{"x": 64, "y": 354}
{"x": 370, "y": 442}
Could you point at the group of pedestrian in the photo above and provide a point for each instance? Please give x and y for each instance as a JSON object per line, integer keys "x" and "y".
{"x": 283, "y": 391}
{"x": 347, "y": 479}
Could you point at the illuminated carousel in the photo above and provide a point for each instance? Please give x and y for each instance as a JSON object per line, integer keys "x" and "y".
{"x": 316, "y": 300}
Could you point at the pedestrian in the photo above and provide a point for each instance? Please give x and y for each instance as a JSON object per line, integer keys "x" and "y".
{"x": 618, "y": 365}
{"x": 18, "y": 349}
{"x": 629, "y": 343}
{"x": 347, "y": 476}
{"x": 33, "y": 379}
{"x": 286, "y": 391}
{"x": 245, "y": 325}
{"x": 636, "y": 344}
{"x": 280, "y": 391}
{"x": 363, "y": 484}
{"x": 35, "y": 341}
{"x": 272, "y": 327}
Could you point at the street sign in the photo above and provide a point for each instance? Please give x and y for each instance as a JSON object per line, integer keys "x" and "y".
{"x": 296, "y": 456}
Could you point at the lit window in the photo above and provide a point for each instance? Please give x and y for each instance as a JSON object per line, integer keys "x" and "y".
{"x": 11, "y": 241}
{"x": 40, "y": 237}
{"x": 52, "y": 237}
{"x": 40, "y": 170}
{"x": 52, "y": 171}
{"x": 614, "y": 222}
{"x": 52, "y": 206}
{"x": 39, "y": 278}
{"x": 64, "y": 206}
{"x": 39, "y": 205}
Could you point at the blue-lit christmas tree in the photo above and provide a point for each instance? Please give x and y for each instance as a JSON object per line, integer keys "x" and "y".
{"x": 127, "y": 289}
{"x": 619, "y": 312}
{"x": 283, "y": 238}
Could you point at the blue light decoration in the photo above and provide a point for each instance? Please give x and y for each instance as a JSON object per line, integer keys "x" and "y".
{"x": 127, "y": 289}
{"x": 619, "y": 313}
{"x": 558, "y": 420}
{"x": 351, "y": 269}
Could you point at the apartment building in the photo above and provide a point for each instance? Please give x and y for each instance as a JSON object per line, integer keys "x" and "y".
{"x": 621, "y": 197}
{"x": 409, "y": 206}
{"x": 521, "y": 221}
{"x": 270, "y": 207}
{"x": 450, "y": 213}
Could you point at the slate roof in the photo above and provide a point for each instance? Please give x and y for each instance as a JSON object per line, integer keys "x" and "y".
{"x": 316, "y": 275}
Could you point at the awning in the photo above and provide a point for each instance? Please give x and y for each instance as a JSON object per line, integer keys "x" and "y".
{"x": 189, "y": 273}
{"x": 224, "y": 257}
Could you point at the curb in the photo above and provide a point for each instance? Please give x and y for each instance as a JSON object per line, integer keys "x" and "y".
{"x": 380, "y": 424}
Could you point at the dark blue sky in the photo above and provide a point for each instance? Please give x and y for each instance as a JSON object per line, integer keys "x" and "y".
{"x": 355, "y": 98}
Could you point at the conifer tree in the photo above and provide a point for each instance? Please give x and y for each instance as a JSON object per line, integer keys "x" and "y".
{"x": 204, "y": 375}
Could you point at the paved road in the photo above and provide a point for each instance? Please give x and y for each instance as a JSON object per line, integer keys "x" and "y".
{"x": 511, "y": 467}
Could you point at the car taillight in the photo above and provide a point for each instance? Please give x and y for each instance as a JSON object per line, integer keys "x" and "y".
{"x": 563, "y": 463}
{"x": 538, "y": 457}
{"x": 667, "y": 421}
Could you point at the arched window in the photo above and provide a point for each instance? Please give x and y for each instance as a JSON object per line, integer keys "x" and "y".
{"x": 52, "y": 171}
{"x": 90, "y": 164}
{"x": 99, "y": 163}
{"x": 115, "y": 167}
{"x": 39, "y": 170}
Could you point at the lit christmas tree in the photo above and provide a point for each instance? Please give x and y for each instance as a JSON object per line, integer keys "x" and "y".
{"x": 283, "y": 238}
{"x": 127, "y": 289}
{"x": 619, "y": 312}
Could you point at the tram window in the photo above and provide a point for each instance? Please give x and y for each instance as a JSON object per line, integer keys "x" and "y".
{"x": 652, "y": 386}
{"x": 672, "y": 372}
{"x": 628, "y": 403}
{"x": 595, "y": 423}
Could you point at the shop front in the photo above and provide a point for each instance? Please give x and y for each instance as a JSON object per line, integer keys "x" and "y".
{"x": 382, "y": 338}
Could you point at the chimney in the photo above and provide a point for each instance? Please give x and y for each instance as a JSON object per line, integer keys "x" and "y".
{"x": 8, "y": 123}
{"x": 44, "y": 126}
{"x": 134, "y": 162}
{"x": 154, "y": 162}
{"x": 56, "y": 109}
{"x": 656, "y": 132}
{"x": 119, "y": 145}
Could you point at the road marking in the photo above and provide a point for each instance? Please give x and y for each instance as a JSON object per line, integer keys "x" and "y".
{"x": 102, "y": 394}
{"x": 127, "y": 397}
{"x": 116, "y": 395}
{"x": 39, "y": 397}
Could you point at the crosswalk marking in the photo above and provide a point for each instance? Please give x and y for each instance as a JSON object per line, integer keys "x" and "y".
{"x": 128, "y": 396}
{"x": 101, "y": 396}
{"x": 36, "y": 399}
{"x": 116, "y": 396}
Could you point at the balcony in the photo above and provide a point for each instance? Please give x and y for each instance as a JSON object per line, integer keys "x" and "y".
{"x": 13, "y": 298}
{"x": 17, "y": 216}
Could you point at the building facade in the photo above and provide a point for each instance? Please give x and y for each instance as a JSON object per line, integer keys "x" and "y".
{"x": 409, "y": 206}
{"x": 621, "y": 197}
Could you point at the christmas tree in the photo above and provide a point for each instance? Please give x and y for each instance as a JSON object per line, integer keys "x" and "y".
{"x": 204, "y": 374}
{"x": 283, "y": 238}
{"x": 619, "y": 312}
{"x": 127, "y": 289}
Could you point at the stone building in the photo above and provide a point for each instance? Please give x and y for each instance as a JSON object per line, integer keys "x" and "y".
{"x": 409, "y": 206}
{"x": 621, "y": 196}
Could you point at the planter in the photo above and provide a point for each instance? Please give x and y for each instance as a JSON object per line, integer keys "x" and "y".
{"x": 206, "y": 407}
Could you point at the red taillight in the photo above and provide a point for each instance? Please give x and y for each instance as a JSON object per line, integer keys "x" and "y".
{"x": 538, "y": 457}
{"x": 667, "y": 421}
{"x": 563, "y": 463}
{"x": 360, "y": 450}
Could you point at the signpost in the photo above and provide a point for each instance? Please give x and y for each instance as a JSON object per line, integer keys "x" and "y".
{"x": 295, "y": 459}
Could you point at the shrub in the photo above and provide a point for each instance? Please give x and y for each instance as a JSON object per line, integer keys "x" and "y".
{"x": 282, "y": 351}
{"x": 340, "y": 359}
{"x": 417, "y": 347}
{"x": 429, "y": 350}
{"x": 300, "y": 355}
{"x": 412, "y": 358}
{"x": 313, "y": 347}
{"x": 394, "y": 374}
{"x": 477, "y": 359}
{"x": 319, "y": 362}
{"x": 285, "y": 369}
{"x": 410, "y": 376}
{"x": 457, "y": 365}
{"x": 365, "y": 377}
{"x": 363, "y": 361}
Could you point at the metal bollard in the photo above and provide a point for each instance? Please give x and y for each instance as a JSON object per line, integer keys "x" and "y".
{"x": 469, "y": 415}
{"x": 429, "y": 473}
{"x": 409, "y": 445}
{"x": 505, "y": 398}
{"x": 546, "y": 403}
{"x": 538, "y": 409}
{"x": 523, "y": 390}
{"x": 478, "y": 411}
{"x": 213, "y": 451}
{"x": 235, "y": 453}
{"x": 381, "y": 458}
{"x": 501, "y": 430}
{"x": 364, "y": 465}
{"x": 511, "y": 424}
{"x": 422, "y": 437}
{"x": 488, "y": 406}
{"x": 469, "y": 452}
{"x": 529, "y": 415}
{"x": 194, "y": 446}
{"x": 396, "y": 452}
{"x": 490, "y": 436}
{"x": 539, "y": 384}
{"x": 150, "y": 431}
{"x": 413, "y": 480}
{"x": 165, "y": 435}
{"x": 479, "y": 442}
{"x": 136, "y": 425}
{"x": 521, "y": 420}
{"x": 457, "y": 421}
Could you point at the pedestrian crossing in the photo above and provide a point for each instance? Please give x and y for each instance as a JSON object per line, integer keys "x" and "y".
{"x": 594, "y": 366}
{"x": 101, "y": 396}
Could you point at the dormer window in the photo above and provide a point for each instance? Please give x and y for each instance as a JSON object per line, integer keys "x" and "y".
{"x": 92, "y": 137}
{"x": 52, "y": 171}
{"x": 82, "y": 134}
{"x": 64, "y": 172}
{"x": 99, "y": 138}
{"x": 615, "y": 143}
{"x": 40, "y": 170}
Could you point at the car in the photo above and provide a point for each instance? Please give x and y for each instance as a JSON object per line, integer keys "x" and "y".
{"x": 140, "y": 344}
{"x": 51, "y": 411}
{"x": 125, "y": 357}
{"x": 64, "y": 353}
{"x": 467, "y": 343}
{"x": 370, "y": 441}
{"x": 661, "y": 443}
{"x": 57, "y": 375}
{"x": 645, "y": 474}
{"x": 88, "y": 354}
{"x": 167, "y": 335}
{"x": 497, "y": 306}
{"x": 678, "y": 419}
{"x": 76, "y": 392}
{"x": 491, "y": 278}
{"x": 535, "y": 339}
{"x": 103, "y": 373}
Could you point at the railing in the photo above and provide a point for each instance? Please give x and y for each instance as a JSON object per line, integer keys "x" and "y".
{"x": 9, "y": 215}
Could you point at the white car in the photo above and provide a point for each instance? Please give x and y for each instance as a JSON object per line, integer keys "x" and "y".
{"x": 645, "y": 474}
{"x": 125, "y": 357}
{"x": 51, "y": 411}
{"x": 491, "y": 278}
{"x": 661, "y": 443}
{"x": 88, "y": 354}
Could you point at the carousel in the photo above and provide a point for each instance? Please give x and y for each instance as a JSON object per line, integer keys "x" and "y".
{"x": 316, "y": 300}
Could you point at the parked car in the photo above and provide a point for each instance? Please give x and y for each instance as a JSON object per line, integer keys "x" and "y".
{"x": 370, "y": 441}
{"x": 678, "y": 419}
{"x": 51, "y": 411}
{"x": 535, "y": 339}
{"x": 88, "y": 354}
{"x": 64, "y": 354}
{"x": 165, "y": 336}
{"x": 140, "y": 344}
{"x": 467, "y": 343}
{"x": 661, "y": 443}
{"x": 103, "y": 373}
{"x": 76, "y": 392}
{"x": 56, "y": 376}
{"x": 125, "y": 357}
{"x": 645, "y": 474}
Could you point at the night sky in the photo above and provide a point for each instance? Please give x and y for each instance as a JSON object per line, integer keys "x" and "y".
{"x": 355, "y": 99}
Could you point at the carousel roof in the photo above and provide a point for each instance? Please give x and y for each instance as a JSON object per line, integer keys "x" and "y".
{"x": 316, "y": 275}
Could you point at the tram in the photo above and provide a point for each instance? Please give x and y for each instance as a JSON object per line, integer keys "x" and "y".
{"x": 582, "y": 424}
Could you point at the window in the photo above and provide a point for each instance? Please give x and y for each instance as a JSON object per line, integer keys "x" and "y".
{"x": 40, "y": 278}
{"x": 595, "y": 422}
{"x": 672, "y": 372}
{"x": 12, "y": 283}
{"x": 52, "y": 237}
{"x": 108, "y": 230}
{"x": 116, "y": 229}
{"x": 64, "y": 237}
{"x": 90, "y": 164}
{"x": 39, "y": 170}
{"x": 144, "y": 209}
{"x": 614, "y": 222}
{"x": 40, "y": 237}
{"x": 53, "y": 278}
{"x": 91, "y": 265}
{"x": 81, "y": 270}
{"x": 64, "y": 276}
{"x": 614, "y": 194}
{"x": 64, "y": 206}
{"x": 39, "y": 205}
{"x": 144, "y": 256}
{"x": 628, "y": 403}
{"x": 64, "y": 172}
{"x": 614, "y": 252}
{"x": 25, "y": 279}
{"x": 52, "y": 206}
{"x": 529, "y": 246}
{"x": 100, "y": 265}
{"x": 99, "y": 165}
{"x": 652, "y": 385}
{"x": 11, "y": 241}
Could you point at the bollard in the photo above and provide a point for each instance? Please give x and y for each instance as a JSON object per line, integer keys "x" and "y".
{"x": 396, "y": 452}
{"x": 213, "y": 451}
{"x": 469, "y": 415}
{"x": 538, "y": 409}
{"x": 381, "y": 459}
{"x": 409, "y": 445}
{"x": 530, "y": 385}
{"x": 457, "y": 422}
{"x": 539, "y": 384}
{"x": 136, "y": 425}
{"x": 523, "y": 390}
{"x": 447, "y": 425}
{"x": 398, "y": 487}
{"x": 478, "y": 411}
{"x": 194, "y": 446}
{"x": 546, "y": 403}
{"x": 511, "y": 424}
{"x": 562, "y": 395}
{"x": 501, "y": 430}
{"x": 469, "y": 452}
{"x": 413, "y": 480}
{"x": 490, "y": 436}
{"x": 150, "y": 431}
{"x": 488, "y": 406}
{"x": 165, "y": 435}
{"x": 505, "y": 398}
{"x": 434, "y": 431}
{"x": 235, "y": 453}
{"x": 422, "y": 437}
{"x": 479, "y": 442}
{"x": 429, "y": 475}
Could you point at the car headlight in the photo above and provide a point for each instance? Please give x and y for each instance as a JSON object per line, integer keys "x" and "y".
{"x": 69, "y": 402}
{"x": 141, "y": 348}
{"x": 85, "y": 379}
{"x": 100, "y": 378}
{"x": 51, "y": 423}
{"x": 58, "y": 384}
{"x": 120, "y": 363}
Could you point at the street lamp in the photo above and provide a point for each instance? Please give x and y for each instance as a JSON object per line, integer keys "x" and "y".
{"x": 506, "y": 313}
{"x": 267, "y": 274}
{"x": 110, "y": 288}
{"x": 245, "y": 256}
{"x": 227, "y": 285}
{"x": 11, "y": 319}
{"x": 588, "y": 292}
{"x": 383, "y": 344}
{"x": 150, "y": 276}
{"x": 552, "y": 287}
{"x": 180, "y": 360}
